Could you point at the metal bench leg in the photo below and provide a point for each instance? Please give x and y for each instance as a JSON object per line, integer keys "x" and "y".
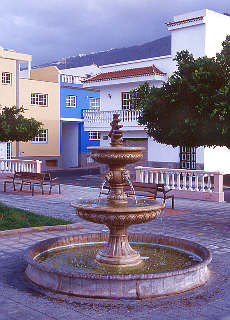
{"x": 4, "y": 186}
{"x": 50, "y": 188}
{"x": 59, "y": 188}
{"x": 21, "y": 186}
{"x": 172, "y": 202}
{"x": 32, "y": 190}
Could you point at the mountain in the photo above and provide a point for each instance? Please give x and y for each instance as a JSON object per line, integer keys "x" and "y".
{"x": 156, "y": 48}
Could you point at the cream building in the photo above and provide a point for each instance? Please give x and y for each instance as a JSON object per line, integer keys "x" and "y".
{"x": 41, "y": 100}
{"x": 9, "y": 87}
{"x": 39, "y": 94}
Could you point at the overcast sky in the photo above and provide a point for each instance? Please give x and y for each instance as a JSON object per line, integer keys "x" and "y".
{"x": 52, "y": 29}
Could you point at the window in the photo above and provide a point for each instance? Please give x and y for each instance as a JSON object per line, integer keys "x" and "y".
{"x": 39, "y": 99}
{"x": 188, "y": 158}
{"x": 94, "y": 103}
{"x": 8, "y": 151}
{"x": 76, "y": 79}
{"x": 125, "y": 100}
{"x": 6, "y": 78}
{"x": 71, "y": 101}
{"x": 94, "y": 135}
{"x": 63, "y": 78}
{"x": 42, "y": 136}
{"x": 66, "y": 78}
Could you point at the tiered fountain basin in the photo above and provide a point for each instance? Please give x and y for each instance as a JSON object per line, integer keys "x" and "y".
{"x": 135, "y": 283}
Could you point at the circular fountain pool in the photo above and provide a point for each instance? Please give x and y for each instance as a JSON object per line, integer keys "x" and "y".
{"x": 67, "y": 265}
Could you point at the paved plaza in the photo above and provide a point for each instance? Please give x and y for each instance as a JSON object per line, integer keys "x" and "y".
{"x": 207, "y": 223}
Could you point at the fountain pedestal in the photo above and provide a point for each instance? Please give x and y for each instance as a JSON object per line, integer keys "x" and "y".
{"x": 118, "y": 251}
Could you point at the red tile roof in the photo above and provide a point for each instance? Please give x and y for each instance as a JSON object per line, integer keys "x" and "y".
{"x": 174, "y": 23}
{"x": 127, "y": 73}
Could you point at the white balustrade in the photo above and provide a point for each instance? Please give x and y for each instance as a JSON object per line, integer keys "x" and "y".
{"x": 15, "y": 165}
{"x": 195, "y": 184}
{"x": 127, "y": 117}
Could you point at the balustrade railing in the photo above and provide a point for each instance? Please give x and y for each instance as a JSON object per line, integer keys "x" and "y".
{"x": 105, "y": 117}
{"x": 194, "y": 184}
{"x": 14, "y": 165}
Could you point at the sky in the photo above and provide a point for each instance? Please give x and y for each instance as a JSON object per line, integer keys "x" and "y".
{"x": 53, "y": 29}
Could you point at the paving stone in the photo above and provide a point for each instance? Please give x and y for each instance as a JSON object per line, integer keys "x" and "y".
{"x": 208, "y": 224}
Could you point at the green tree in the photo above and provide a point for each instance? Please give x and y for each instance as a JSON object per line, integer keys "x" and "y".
{"x": 15, "y": 127}
{"x": 193, "y": 107}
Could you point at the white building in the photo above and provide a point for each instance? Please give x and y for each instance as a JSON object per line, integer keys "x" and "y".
{"x": 202, "y": 33}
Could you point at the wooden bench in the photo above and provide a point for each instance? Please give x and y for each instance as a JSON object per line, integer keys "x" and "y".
{"x": 150, "y": 190}
{"x": 33, "y": 180}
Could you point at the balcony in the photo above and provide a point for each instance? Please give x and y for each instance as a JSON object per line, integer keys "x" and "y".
{"x": 100, "y": 120}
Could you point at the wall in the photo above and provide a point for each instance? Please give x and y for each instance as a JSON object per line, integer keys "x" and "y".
{"x": 49, "y": 116}
{"x": 217, "y": 27}
{"x": 3, "y": 150}
{"x": 45, "y": 74}
{"x": 8, "y": 92}
{"x": 114, "y": 103}
{"x": 69, "y": 145}
{"x": 158, "y": 152}
{"x": 201, "y": 37}
{"x": 217, "y": 159}
{"x": 191, "y": 39}
{"x": 83, "y": 96}
{"x": 68, "y": 113}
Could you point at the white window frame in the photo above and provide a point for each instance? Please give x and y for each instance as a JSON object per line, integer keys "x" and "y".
{"x": 42, "y": 137}
{"x": 94, "y": 135}
{"x": 71, "y": 101}
{"x": 8, "y": 150}
{"x": 63, "y": 78}
{"x": 125, "y": 101}
{"x": 67, "y": 78}
{"x": 6, "y": 78}
{"x": 76, "y": 80}
{"x": 94, "y": 103}
{"x": 39, "y": 99}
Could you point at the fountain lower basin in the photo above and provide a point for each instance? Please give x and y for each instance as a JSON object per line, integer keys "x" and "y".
{"x": 118, "y": 218}
{"x": 125, "y": 286}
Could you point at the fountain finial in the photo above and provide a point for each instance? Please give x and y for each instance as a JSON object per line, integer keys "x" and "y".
{"x": 115, "y": 133}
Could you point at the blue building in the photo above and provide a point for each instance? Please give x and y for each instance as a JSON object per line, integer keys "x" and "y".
{"x": 73, "y": 100}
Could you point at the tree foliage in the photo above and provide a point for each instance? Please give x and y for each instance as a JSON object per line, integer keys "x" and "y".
{"x": 193, "y": 107}
{"x": 15, "y": 127}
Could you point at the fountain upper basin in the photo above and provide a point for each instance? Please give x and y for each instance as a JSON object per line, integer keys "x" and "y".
{"x": 116, "y": 155}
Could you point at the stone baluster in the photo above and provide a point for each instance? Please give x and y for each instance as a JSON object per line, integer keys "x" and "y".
{"x": 190, "y": 188}
{"x": 173, "y": 181}
{"x": 202, "y": 184}
{"x": 167, "y": 180}
{"x": 157, "y": 178}
{"x": 178, "y": 174}
{"x": 146, "y": 176}
{"x": 151, "y": 173}
{"x": 197, "y": 182}
{"x": 184, "y": 187}
{"x": 142, "y": 176}
{"x": 162, "y": 177}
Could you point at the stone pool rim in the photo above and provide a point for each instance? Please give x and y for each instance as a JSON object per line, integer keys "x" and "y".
{"x": 55, "y": 279}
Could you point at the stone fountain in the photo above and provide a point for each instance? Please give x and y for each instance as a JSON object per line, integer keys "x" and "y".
{"x": 119, "y": 271}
